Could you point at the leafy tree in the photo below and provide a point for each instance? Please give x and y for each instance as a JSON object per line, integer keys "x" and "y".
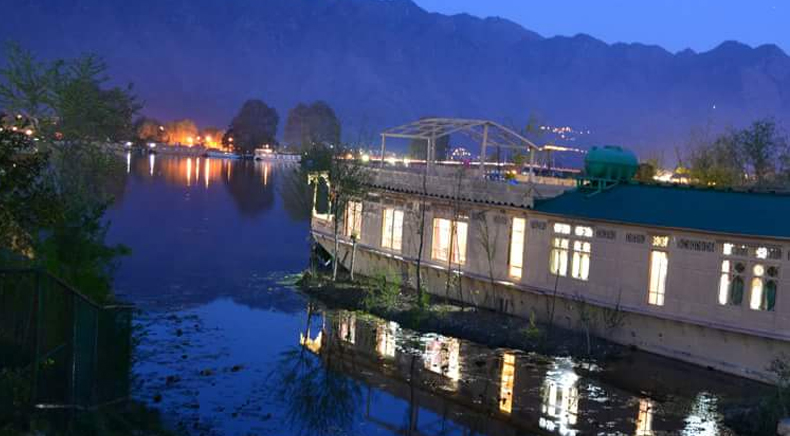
{"x": 312, "y": 125}
{"x": 149, "y": 130}
{"x": 645, "y": 172}
{"x": 254, "y": 126}
{"x": 67, "y": 177}
{"x": 181, "y": 132}
{"x": 25, "y": 197}
{"x": 763, "y": 151}
{"x": 212, "y": 136}
{"x": 755, "y": 156}
{"x": 67, "y": 99}
{"x": 717, "y": 163}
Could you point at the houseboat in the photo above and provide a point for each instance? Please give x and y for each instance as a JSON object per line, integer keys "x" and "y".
{"x": 694, "y": 274}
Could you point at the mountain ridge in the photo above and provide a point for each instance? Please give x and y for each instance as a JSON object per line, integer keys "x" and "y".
{"x": 380, "y": 63}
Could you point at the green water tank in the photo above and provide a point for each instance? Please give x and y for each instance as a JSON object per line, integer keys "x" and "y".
{"x": 611, "y": 162}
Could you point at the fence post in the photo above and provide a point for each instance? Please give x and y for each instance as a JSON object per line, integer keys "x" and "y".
{"x": 39, "y": 309}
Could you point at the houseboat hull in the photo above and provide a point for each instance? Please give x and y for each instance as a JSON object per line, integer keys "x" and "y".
{"x": 610, "y": 296}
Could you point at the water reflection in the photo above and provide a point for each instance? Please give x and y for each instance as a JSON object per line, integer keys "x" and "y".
{"x": 560, "y": 399}
{"x": 251, "y": 184}
{"x": 432, "y": 384}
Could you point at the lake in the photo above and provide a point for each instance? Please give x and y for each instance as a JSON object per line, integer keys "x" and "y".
{"x": 228, "y": 346}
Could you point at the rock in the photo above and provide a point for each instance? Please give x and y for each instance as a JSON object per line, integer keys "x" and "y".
{"x": 783, "y": 428}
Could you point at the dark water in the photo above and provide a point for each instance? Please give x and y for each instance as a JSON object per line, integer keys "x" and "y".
{"x": 215, "y": 245}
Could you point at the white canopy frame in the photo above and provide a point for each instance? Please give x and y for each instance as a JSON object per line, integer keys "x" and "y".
{"x": 487, "y": 133}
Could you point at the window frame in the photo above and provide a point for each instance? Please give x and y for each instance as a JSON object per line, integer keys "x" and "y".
{"x": 353, "y": 227}
{"x": 661, "y": 291}
{"x": 516, "y": 271}
{"x": 456, "y": 252}
{"x": 389, "y": 240}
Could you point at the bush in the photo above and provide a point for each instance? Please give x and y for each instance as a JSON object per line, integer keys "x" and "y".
{"x": 383, "y": 293}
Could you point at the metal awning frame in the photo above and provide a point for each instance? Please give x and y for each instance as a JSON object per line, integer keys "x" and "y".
{"x": 487, "y": 133}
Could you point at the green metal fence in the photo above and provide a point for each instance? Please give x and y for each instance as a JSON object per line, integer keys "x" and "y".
{"x": 78, "y": 353}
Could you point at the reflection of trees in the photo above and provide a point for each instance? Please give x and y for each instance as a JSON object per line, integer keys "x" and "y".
{"x": 317, "y": 397}
{"x": 296, "y": 193}
{"x": 251, "y": 187}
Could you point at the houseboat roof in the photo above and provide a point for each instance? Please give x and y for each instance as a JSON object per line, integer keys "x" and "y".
{"x": 709, "y": 210}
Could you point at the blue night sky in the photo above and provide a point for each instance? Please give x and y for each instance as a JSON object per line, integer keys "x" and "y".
{"x": 673, "y": 24}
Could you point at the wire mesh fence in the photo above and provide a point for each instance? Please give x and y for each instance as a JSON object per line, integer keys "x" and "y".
{"x": 77, "y": 353}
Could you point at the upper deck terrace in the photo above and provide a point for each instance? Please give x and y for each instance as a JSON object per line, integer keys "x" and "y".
{"x": 465, "y": 184}
{"x": 470, "y": 182}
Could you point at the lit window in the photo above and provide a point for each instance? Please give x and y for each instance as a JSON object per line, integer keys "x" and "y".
{"x": 449, "y": 237}
{"x": 762, "y": 253}
{"x": 659, "y": 265}
{"x": 559, "y": 256}
{"x": 763, "y": 287}
{"x": 517, "y": 247}
{"x": 580, "y": 267}
{"x": 661, "y": 241}
{"x": 727, "y": 249}
{"x": 731, "y": 283}
{"x": 354, "y": 219}
{"x": 584, "y": 232}
{"x": 563, "y": 229}
{"x": 392, "y": 229}
{"x": 506, "y": 383}
{"x": 644, "y": 421}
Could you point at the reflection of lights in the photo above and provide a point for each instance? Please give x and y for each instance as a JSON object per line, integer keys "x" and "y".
{"x": 128, "y": 143}
{"x": 644, "y": 421}
{"x": 385, "y": 338}
{"x": 189, "y": 171}
{"x": 207, "y": 172}
{"x": 508, "y": 379}
{"x": 442, "y": 357}
{"x": 151, "y": 145}
{"x": 560, "y": 399}
{"x": 703, "y": 419}
{"x": 151, "y": 162}
{"x": 313, "y": 345}
{"x": 406, "y": 161}
{"x": 265, "y": 174}
{"x": 197, "y": 170}
{"x": 128, "y": 162}
{"x": 348, "y": 327}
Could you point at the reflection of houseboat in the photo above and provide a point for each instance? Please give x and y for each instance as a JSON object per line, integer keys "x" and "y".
{"x": 270, "y": 155}
{"x": 694, "y": 274}
{"x": 443, "y": 385}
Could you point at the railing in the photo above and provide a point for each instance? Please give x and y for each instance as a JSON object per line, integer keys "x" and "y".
{"x": 76, "y": 353}
{"x": 465, "y": 184}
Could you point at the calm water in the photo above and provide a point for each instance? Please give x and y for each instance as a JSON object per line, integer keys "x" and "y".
{"x": 215, "y": 245}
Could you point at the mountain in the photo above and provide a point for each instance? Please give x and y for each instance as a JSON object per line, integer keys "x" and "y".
{"x": 380, "y": 63}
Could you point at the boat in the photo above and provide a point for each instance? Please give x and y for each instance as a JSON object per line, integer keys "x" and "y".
{"x": 270, "y": 155}
{"x": 219, "y": 154}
